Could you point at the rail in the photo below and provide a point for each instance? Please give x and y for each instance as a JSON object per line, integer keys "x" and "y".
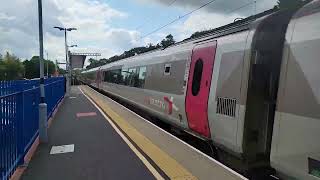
{"x": 19, "y": 116}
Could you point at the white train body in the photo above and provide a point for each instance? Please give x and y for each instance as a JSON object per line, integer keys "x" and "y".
{"x": 253, "y": 90}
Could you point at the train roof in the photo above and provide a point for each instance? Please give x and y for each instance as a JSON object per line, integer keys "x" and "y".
{"x": 91, "y": 70}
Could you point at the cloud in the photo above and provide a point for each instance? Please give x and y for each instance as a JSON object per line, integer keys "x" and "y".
{"x": 94, "y": 34}
{"x": 18, "y": 32}
{"x": 199, "y": 22}
{"x": 216, "y": 14}
{"x": 217, "y": 6}
{"x": 153, "y": 38}
{"x": 19, "y": 29}
{"x": 94, "y": 19}
{"x": 122, "y": 38}
{"x": 4, "y": 16}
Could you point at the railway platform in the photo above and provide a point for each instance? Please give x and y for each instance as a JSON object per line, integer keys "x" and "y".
{"x": 94, "y": 137}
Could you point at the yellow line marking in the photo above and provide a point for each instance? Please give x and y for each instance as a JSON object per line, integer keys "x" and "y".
{"x": 167, "y": 164}
{"x": 154, "y": 172}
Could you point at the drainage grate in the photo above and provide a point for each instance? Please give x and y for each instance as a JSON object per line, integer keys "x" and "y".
{"x": 226, "y": 106}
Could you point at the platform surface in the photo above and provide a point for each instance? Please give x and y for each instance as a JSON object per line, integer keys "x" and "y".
{"x": 112, "y": 142}
{"x": 99, "y": 152}
{"x": 181, "y": 160}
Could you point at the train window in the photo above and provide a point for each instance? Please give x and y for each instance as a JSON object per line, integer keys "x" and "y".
{"x": 117, "y": 76}
{"x": 142, "y": 76}
{"x": 197, "y": 76}
{"x": 113, "y": 76}
{"x": 132, "y": 72}
{"x": 135, "y": 78}
{"x": 106, "y": 76}
{"x": 167, "y": 68}
{"x": 125, "y": 75}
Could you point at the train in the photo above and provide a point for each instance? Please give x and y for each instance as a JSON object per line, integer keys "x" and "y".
{"x": 251, "y": 88}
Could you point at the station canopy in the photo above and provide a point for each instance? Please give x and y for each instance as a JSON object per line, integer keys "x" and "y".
{"x": 77, "y": 59}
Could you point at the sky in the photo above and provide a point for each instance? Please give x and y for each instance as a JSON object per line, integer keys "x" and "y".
{"x": 110, "y": 27}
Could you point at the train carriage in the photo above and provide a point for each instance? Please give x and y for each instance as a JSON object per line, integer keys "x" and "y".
{"x": 252, "y": 88}
{"x": 295, "y": 149}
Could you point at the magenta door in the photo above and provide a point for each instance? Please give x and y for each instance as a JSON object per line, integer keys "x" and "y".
{"x": 199, "y": 81}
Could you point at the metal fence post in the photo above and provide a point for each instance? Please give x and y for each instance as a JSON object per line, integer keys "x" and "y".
{"x": 20, "y": 122}
{"x": 2, "y": 168}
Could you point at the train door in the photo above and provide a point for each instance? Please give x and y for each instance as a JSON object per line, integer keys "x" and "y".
{"x": 201, "y": 67}
{"x": 99, "y": 78}
{"x": 267, "y": 50}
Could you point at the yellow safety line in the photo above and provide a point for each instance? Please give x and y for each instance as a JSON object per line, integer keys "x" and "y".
{"x": 155, "y": 173}
{"x": 167, "y": 164}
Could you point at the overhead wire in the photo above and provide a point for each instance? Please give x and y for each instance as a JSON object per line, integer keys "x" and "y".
{"x": 187, "y": 14}
{"x": 243, "y": 6}
{"x": 170, "y": 4}
{"x": 148, "y": 19}
{"x": 177, "y": 19}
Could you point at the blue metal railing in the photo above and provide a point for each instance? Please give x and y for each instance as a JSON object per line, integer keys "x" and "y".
{"x": 19, "y": 116}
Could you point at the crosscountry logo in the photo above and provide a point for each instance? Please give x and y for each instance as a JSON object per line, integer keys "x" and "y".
{"x": 171, "y": 105}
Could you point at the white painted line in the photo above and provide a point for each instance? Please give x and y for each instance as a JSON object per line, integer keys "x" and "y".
{"x": 72, "y": 97}
{"x": 155, "y": 173}
{"x": 193, "y": 148}
{"x": 62, "y": 149}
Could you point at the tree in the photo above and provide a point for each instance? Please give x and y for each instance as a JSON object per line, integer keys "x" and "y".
{"x": 200, "y": 33}
{"x": 94, "y": 63}
{"x": 11, "y": 67}
{"x": 61, "y": 71}
{"x": 32, "y": 67}
{"x": 168, "y": 41}
{"x": 2, "y": 69}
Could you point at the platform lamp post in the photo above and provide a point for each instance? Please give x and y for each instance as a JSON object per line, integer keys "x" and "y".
{"x": 68, "y": 64}
{"x": 43, "y": 135}
{"x": 47, "y": 64}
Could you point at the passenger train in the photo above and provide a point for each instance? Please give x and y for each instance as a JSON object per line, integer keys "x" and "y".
{"x": 252, "y": 88}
